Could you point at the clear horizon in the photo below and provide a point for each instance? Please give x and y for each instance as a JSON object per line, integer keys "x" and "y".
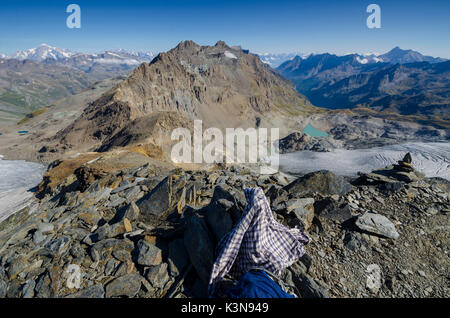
{"x": 261, "y": 26}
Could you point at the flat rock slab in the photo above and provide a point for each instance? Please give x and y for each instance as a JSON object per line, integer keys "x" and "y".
{"x": 157, "y": 201}
{"x": 127, "y": 285}
{"x": 148, "y": 254}
{"x": 377, "y": 224}
{"x": 158, "y": 275}
{"x": 200, "y": 246}
{"x": 95, "y": 291}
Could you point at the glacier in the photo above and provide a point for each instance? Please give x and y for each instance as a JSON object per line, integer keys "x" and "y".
{"x": 17, "y": 178}
{"x": 432, "y": 159}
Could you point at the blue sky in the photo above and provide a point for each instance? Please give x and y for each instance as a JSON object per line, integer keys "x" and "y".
{"x": 337, "y": 26}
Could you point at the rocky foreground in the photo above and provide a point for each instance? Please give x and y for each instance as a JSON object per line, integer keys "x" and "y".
{"x": 151, "y": 232}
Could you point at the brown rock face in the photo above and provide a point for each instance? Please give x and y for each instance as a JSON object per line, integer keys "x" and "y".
{"x": 223, "y": 86}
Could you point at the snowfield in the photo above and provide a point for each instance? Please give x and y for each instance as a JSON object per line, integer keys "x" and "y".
{"x": 17, "y": 177}
{"x": 432, "y": 159}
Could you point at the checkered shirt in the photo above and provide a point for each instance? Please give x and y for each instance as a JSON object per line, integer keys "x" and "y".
{"x": 257, "y": 241}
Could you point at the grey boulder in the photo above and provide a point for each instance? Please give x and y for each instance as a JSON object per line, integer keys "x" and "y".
{"x": 377, "y": 224}
{"x": 127, "y": 285}
{"x": 323, "y": 182}
{"x": 148, "y": 254}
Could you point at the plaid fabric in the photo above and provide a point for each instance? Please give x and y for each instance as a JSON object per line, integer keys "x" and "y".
{"x": 257, "y": 241}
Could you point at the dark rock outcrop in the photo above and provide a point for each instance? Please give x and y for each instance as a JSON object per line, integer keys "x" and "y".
{"x": 297, "y": 141}
{"x": 324, "y": 182}
{"x": 199, "y": 243}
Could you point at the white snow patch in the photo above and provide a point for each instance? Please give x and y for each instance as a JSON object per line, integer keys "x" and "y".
{"x": 230, "y": 55}
{"x": 362, "y": 61}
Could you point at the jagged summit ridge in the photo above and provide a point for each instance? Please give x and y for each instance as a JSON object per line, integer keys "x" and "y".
{"x": 223, "y": 86}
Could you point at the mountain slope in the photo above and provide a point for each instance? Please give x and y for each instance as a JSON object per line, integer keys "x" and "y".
{"x": 103, "y": 65}
{"x": 37, "y": 77}
{"x": 320, "y": 69}
{"x": 28, "y": 85}
{"x": 332, "y": 81}
{"x": 416, "y": 88}
{"x": 223, "y": 86}
{"x": 45, "y": 122}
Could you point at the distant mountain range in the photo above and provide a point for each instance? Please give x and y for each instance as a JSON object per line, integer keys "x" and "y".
{"x": 402, "y": 81}
{"x": 396, "y": 55}
{"x": 37, "y": 77}
{"x": 121, "y": 56}
{"x": 47, "y": 52}
{"x": 99, "y": 65}
{"x": 50, "y": 54}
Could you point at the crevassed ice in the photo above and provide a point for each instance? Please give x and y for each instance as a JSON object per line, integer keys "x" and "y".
{"x": 17, "y": 177}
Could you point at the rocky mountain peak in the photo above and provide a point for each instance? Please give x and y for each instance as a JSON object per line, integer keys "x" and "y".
{"x": 187, "y": 45}
{"x": 398, "y": 49}
{"x": 221, "y": 44}
{"x": 222, "y": 86}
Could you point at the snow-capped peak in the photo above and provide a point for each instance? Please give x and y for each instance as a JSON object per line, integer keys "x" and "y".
{"x": 43, "y": 52}
{"x": 276, "y": 59}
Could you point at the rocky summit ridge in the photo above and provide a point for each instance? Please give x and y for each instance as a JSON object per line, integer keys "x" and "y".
{"x": 151, "y": 231}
